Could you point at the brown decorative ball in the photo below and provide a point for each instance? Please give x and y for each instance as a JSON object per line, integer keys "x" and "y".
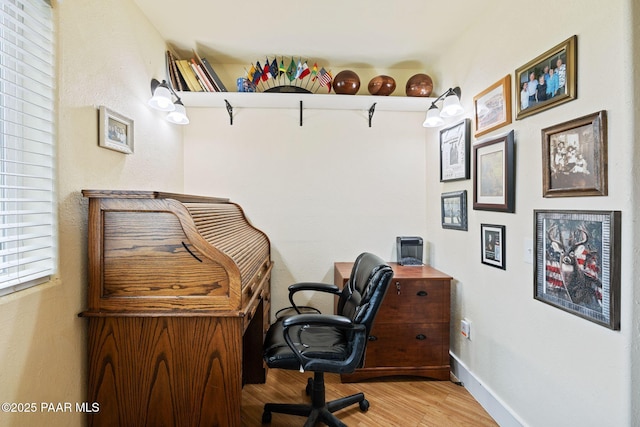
{"x": 382, "y": 85}
{"x": 419, "y": 85}
{"x": 346, "y": 82}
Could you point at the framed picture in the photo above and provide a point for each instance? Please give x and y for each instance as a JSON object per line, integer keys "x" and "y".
{"x": 494, "y": 187}
{"x": 454, "y": 152}
{"x": 493, "y": 245}
{"x": 116, "y": 131}
{"x": 574, "y": 157}
{"x": 454, "y": 210}
{"x": 548, "y": 80}
{"x": 493, "y": 106}
{"x": 577, "y": 267}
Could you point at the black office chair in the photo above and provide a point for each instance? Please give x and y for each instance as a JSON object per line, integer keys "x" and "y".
{"x": 328, "y": 342}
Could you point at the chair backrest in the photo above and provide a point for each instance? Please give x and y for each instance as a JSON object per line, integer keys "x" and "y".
{"x": 368, "y": 290}
{"x": 347, "y": 290}
{"x": 356, "y": 290}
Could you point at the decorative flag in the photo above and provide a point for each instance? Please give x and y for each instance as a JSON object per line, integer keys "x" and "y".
{"x": 266, "y": 73}
{"x": 325, "y": 78}
{"x": 257, "y": 74}
{"x": 314, "y": 72}
{"x": 299, "y": 68}
{"x": 273, "y": 68}
{"x": 291, "y": 71}
{"x": 250, "y": 73}
{"x": 305, "y": 71}
{"x": 282, "y": 69}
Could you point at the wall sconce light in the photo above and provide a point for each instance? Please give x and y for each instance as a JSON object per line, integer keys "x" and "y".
{"x": 161, "y": 99}
{"x": 451, "y": 107}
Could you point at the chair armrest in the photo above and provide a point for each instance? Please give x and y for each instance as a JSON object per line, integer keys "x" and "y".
{"x": 311, "y": 286}
{"x": 318, "y": 319}
{"x": 314, "y": 286}
{"x": 328, "y": 320}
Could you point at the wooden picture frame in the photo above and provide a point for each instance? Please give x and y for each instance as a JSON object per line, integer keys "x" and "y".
{"x": 492, "y": 107}
{"x": 116, "y": 131}
{"x": 455, "y": 143}
{"x": 493, "y": 245}
{"x": 577, "y": 267}
{"x": 453, "y": 210}
{"x": 574, "y": 157}
{"x": 558, "y": 64}
{"x": 494, "y": 186}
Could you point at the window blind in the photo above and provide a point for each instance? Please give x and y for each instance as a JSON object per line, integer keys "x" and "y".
{"x": 27, "y": 144}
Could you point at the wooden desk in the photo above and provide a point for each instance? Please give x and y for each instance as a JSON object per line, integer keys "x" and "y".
{"x": 410, "y": 335}
{"x": 178, "y": 304}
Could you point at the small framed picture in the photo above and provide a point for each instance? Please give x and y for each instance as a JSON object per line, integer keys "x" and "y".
{"x": 116, "y": 131}
{"x": 548, "y": 80}
{"x": 454, "y": 210}
{"x": 494, "y": 186}
{"x": 454, "y": 152}
{"x": 577, "y": 267}
{"x": 493, "y": 245}
{"x": 493, "y": 106}
{"x": 574, "y": 157}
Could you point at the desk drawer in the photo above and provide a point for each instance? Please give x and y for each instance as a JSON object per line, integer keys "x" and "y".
{"x": 417, "y": 301}
{"x": 408, "y": 345}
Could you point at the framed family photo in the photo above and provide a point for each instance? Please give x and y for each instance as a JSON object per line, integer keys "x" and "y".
{"x": 116, "y": 131}
{"x": 574, "y": 157}
{"x": 454, "y": 152}
{"x": 494, "y": 187}
{"x": 493, "y": 245}
{"x": 548, "y": 80}
{"x": 493, "y": 106}
{"x": 577, "y": 267}
{"x": 454, "y": 210}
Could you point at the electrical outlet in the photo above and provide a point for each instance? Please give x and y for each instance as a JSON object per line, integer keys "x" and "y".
{"x": 465, "y": 328}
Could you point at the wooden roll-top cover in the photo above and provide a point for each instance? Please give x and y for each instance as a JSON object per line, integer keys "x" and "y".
{"x": 153, "y": 252}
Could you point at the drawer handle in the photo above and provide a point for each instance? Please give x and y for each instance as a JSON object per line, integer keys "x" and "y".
{"x": 422, "y": 293}
{"x": 373, "y": 338}
{"x": 421, "y": 337}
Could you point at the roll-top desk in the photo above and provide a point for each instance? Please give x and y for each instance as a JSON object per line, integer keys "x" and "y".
{"x": 178, "y": 303}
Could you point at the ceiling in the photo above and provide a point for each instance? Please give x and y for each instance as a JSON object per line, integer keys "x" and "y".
{"x": 407, "y": 34}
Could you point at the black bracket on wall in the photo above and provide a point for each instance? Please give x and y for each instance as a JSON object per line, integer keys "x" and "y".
{"x": 300, "y": 112}
{"x": 230, "y": 111}
{"x": 371, "y": 111}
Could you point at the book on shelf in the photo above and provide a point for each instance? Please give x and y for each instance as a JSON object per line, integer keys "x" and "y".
{"x": 189, "y": 75}
{"x": 198, "y": 61}
{"x": 214, "y": 76}
{"x": 202, "y": 79}
{"x": 176, "y": 80}
{"x": 195, "y": 74}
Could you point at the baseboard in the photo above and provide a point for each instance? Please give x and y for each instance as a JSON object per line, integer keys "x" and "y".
{"x": 491, "y": 403}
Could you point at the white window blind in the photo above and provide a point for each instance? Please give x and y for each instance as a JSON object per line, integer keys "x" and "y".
{"x": 27, "y": 144}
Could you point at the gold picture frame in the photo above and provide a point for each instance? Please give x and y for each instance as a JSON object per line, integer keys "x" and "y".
{"x": 557, "y": 68}
{"x": 574, "y": 157}
{"x": 492, "y": 107}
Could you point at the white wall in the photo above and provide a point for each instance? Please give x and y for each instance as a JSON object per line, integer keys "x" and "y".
{"x": 107, "y": 53}
{"x": 549, "y": 367}
{"x": 322, "y": 192}
{"x": 546, "y": 366}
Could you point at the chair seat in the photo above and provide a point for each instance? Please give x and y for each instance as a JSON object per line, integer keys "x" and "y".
{"x": 324, "y": 342}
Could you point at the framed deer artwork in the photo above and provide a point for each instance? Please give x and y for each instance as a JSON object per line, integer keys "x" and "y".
{"x": 577, "y": 266}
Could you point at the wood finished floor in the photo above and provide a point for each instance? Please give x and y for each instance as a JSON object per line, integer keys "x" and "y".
{"x": 399, "y": 402}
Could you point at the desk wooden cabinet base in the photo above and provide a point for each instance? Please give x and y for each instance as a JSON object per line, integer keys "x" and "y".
{"x": 178, "y": 304}
{"x": 410, "y": 335}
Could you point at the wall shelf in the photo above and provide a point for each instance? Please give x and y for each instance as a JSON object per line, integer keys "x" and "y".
{"x": 370, "y": 103}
